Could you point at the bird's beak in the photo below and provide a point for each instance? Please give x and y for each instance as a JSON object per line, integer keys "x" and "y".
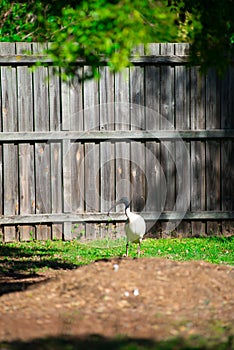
{"x": 113, "y": 206}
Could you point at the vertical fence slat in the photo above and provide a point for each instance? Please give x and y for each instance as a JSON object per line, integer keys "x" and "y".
{"x": 198, "y": 165}
{"x": 73, "y": 153}
{"x": 26, "y": 151}
{"x": 107, "y": 149}
{"x": 213, "y": 160}
{"x": 152, "y": 120}
{"x": 25, "y": 96}
{"x": 56, "y": 187}
{"x": 198, "y": 185}
{"x": 91, "y": 153}
{"x": 56, "y": 151}
{"x": 75, "y": 109}
{"x": 227, "y": 148}
{"x": 228, "y": 183}
{"x": 1, "y": 191}
{"x": 26, "y": 188}
{"x": 42, "y": 149}
{"x": 213, "y": 182}
{"x": 10, "y": 151}
{"x": 67, "y": 193}
{"x": 122, "y": 149}
{"x": 10, "y": 174}
{"x": 137, "y": 122}
{"x": 66, "y": 156}
{"x": 167, "y": 123}
{"x": 182, "y": 148}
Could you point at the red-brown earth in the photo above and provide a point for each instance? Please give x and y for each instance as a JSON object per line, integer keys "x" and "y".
{"x": 147, "y": 300}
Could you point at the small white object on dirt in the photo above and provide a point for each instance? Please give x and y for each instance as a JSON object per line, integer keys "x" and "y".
{"x": 136, "y": 292}
{"x": 126, "y": 294}
{"x": 116, "y": 267}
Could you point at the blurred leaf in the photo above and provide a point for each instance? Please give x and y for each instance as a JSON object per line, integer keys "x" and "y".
{"x": 99, "y": 28}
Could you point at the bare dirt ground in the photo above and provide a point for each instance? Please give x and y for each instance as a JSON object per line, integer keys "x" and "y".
{"x": 151, "y": 300}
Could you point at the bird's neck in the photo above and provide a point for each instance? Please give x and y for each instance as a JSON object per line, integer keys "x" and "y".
{"x": 127, "y": 212}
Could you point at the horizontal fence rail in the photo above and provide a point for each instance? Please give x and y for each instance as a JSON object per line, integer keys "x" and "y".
{"x": 115, "y": 217}
{"x": 152, "y": 59}
{"x": 158, "y": 132}
{"x": 117, "y": 135}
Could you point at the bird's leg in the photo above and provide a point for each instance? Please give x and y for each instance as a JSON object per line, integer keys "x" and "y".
{"x": 127, "y": 249}
{"x": 139, "y": 250}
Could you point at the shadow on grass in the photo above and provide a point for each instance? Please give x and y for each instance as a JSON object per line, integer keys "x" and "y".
{"x": 19, "y": 267}
{"x": 96, "y": 342}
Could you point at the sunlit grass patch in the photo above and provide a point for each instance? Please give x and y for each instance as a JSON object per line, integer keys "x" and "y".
{"x": 35, "y": 255}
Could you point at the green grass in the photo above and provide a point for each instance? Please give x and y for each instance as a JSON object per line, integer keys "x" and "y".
{"x": 35, "y": 255}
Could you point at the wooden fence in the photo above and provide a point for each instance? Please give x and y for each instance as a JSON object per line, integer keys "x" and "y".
{"x": 158, "y": 132}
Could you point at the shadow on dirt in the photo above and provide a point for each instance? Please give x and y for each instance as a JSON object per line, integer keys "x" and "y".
{"x": 96, "y": 342}
{"x": 18, "y": 268}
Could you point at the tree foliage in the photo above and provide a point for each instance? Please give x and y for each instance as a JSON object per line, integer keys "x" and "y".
{"x": 111, "y": 29}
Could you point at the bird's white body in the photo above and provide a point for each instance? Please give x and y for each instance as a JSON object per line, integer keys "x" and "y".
{"x": 134, "y": 227}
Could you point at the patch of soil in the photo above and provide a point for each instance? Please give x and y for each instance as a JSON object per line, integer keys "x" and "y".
{"x": 140, "y": 298}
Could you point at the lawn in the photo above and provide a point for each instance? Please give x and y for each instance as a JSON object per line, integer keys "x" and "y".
{"x": 35, "y": 255}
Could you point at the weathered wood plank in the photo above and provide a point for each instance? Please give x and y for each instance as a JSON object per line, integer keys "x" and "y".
{"x": 122, "y": 149}
{"x": 77, "y": 186}
{"x": 107, "y": 150}
{"x": 153, "y": 170}
{"x": 25, "y": 95}
{"x": 10, "y": 195}
{"x": 75, "y": 108}
{"x": 227, "y": 148}
{"x": 9, "y": 97}
{"x": 10, "y": 151}
{"x": 213, "y": 190}
{"x": 182, "y": 89}
{"x": 42, "y": 150}
{"x": 212, "y": 100}
{"x": 67, "y": 185}
{"x": 226, "y": 103}
{"x": 94, "y": 217}
{"x": 167, "y": 111}
{"x": 41, "y": 97}
{"x": 26, "y": 151}
{"x": 56, "y": 187}
{"x": 26, "y": 187}
{"x": 43, "y": 175}
{"x": 198, "y": 122}
{"x": 96, "y": 136}
{"x": 54, "y": 101}
{"x": 197, "y": 100}
{"x": 72, "y": 119}
{"x": 198, "y": 184}
{"x": 54, "y": 97}
{"x": 182, "y": 149}
{"x": 43, "y": 187}
{"x": 213, "y": 149}
{"x": 19, "y": 59}
{"x": 1, "y": 180}
{"x": 137, "y": 122}
{"x": 91, "y": 153}
{"x": 1, "y": 174}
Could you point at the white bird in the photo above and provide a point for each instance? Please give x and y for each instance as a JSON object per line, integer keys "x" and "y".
{"x": 134, "y": 226}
